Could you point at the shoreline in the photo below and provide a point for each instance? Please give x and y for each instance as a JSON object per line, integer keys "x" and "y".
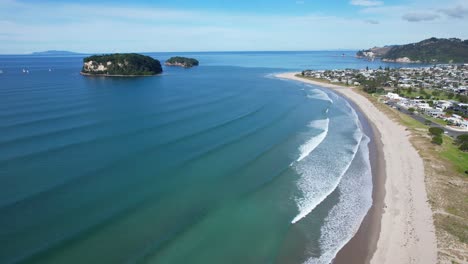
{"x": 361, "y": 247}
{"x": 399, "y": 227}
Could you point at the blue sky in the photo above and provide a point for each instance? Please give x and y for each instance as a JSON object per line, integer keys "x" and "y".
{"x": 216, "y": 25}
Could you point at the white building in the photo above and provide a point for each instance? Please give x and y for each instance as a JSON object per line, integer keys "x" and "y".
{"x": 393, "y": 96}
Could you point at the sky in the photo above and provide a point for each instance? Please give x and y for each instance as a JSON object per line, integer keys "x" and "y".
{"x": 216, "y": 25}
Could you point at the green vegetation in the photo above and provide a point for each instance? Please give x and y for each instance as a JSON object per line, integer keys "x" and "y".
{"x": 436, "y": 133}
{"x": 373, "y": 85}
{"x": 464, "y": 147}
{"x": 431, "y": 50}
{"x": 462, "y": 142}
{"x": 411, "y": 110}
{"x": 121, "y": 64}
{"x": 437, "y": 140}
{"x": 182, "y": 61}
{"x": 435, "y": 120}
{"x": 452, "y": 152}
{"x": 413, "y": 93}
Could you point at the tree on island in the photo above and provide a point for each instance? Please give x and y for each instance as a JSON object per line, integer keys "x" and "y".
{"x": 121, "y": 64}
{"x": 182, "y": 61}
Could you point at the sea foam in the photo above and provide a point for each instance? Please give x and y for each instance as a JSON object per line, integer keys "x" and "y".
{"x": 312, "y": 143}
{"x": 320, "y": 95}
{"x": 321, "y": 174}
{"x": 355, "y": 199}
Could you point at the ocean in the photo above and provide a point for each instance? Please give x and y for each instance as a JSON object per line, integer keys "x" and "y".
{"x": 221, "y": 163}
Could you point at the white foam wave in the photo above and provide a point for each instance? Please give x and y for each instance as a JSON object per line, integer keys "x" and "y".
{"x": 345, "y": 217}
{"x": 320, "y": 95}
{"x": 318, "y": 178}
{"x": 316, "y": 191}
{"x": 312, "y": 143}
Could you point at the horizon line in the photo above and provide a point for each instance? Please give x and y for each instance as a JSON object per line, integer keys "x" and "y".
{"x": 142, "y": 52}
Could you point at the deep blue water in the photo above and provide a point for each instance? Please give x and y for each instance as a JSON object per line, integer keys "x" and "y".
{"x": 221, "y": 163}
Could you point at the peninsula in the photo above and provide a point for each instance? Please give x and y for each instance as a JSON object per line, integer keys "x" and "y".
{"x": 129, "y": 64}
{"x": 182, "y": 62}
{"x": 433, "y": 50}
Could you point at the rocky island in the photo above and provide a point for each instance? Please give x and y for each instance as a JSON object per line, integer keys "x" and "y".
{"x": 182, "y": 62}
{"x": 431, "y": 50}
{"x": 120, "y": 64}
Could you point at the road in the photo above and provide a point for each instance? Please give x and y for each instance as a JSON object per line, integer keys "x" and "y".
{"x": 423, "y": 120}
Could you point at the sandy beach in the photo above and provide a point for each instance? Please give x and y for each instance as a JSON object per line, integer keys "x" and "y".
{"x": 400, "y": 229}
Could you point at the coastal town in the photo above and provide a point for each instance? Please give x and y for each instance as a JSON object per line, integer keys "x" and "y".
{"x": 439, "y": 93}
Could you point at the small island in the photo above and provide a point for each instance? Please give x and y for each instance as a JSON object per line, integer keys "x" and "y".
{"x": 182, "y": 62}
{"x": 120, "y": 64}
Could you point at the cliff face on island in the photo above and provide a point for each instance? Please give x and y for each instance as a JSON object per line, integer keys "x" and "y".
{"x": 182, "y": 62}
{"x": 130, "y": 64}
{"x": 431, "y": 50}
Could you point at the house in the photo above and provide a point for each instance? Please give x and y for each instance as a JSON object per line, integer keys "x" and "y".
{"x": 393, "y": 96}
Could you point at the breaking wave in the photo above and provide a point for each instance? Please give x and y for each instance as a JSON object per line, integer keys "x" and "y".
{"x": 355, "y": 199}
{"x": 320, "y": 95}
{"x": 322, "y": 168}
{"x": 312, "y": 143}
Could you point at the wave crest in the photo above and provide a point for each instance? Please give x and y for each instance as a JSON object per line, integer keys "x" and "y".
{"x": 312, "y": 143}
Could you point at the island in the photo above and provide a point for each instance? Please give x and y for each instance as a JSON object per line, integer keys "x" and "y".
{"x": 182, "y": 62}
{"x": 55, "y": 53}
{"x": 120, "y": 64}
{"x": 433, "y": 50}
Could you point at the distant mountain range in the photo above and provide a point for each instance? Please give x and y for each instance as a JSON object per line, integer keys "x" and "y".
{"x": 433, "y": 50}
{"x": 55, "y": 53}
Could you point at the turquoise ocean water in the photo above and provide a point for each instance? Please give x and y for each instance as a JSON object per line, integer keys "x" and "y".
{"x": 220, "y": 163}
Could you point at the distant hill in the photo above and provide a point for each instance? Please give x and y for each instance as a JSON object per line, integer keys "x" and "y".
{"x": 120, "y": 64}
{"x": 182, "y": 61}
{"x": 431, "y": 50}
{"x": 55, "y": 53}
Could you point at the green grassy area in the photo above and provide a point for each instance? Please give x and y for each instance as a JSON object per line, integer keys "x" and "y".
{"x": 449, "y": 151}
{"x": 457, "y": 157}
{"x": 436, "y": 120}
{"x": 411, "y": 122}
{"x": 418, "y": 92}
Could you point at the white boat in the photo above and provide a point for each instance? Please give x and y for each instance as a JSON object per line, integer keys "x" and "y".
{"x": 50, "y": 70}
{"x": 24, "y": 71}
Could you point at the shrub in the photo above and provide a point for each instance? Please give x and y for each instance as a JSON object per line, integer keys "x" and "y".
{"x": 436, "y": 131}
{"x": 461, "y": 139}
{"x": 464, "y": 147}
{"x": 437, "y": 140}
